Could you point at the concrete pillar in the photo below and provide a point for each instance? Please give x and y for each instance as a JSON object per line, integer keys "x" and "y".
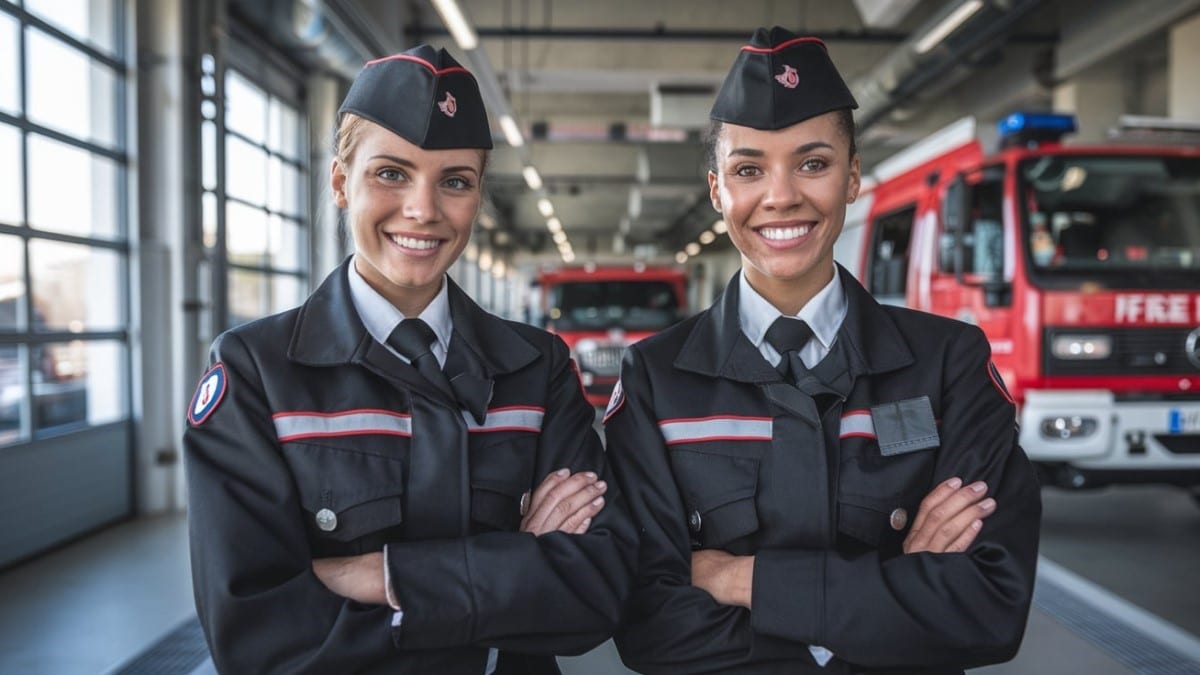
{"x": 162, "y": 375}
{"x": 1097, "y": 97}
{"x": 1183, "y": 96}
{"x": 328, "y": 247}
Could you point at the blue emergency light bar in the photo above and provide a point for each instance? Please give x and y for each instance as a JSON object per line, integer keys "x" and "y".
{"x": 1036, "y": 126}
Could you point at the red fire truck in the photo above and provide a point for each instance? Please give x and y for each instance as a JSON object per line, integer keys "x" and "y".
{"x": 1082, "y": 266}
{"x": 599, "y": 311}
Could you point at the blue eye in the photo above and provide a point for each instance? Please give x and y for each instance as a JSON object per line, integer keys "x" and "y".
{"x": 458, "y": 183}
{"x": 391, "y": 174}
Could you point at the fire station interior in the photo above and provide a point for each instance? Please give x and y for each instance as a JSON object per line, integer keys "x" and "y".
{"x": 164, "y": 177}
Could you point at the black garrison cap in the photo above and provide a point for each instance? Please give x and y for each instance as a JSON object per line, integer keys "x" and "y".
{"x": 780, "y": 79}
{"x": 423, "y": 95}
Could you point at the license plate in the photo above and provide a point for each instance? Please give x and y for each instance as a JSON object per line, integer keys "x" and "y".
{"x": 1183, "y": 421}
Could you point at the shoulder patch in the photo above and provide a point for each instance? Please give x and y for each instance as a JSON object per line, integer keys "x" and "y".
{"x": 999, "y": 382}
{"x": 615, "y": 401}
{"x": 208, "y": 394}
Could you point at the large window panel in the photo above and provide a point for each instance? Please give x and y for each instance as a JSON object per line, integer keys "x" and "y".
{"x": 246, "y": 235}
{"x": 246, "y": 171}
{"x": 284, "y": 188}
{"x": 285, "y": 130}
{"x": 78, "y": 382}
{"x": 76, "y": 288}
{"x": 12, "y": 178}
{"x": 10, "y": 65}
{"x": 71, "y": 190}
{"x": 13, "y": 401}
{"x": 12, "y": 283}
{"x": 90, "y": 21}
{"x": 246, "y": 108}
{"x": 70, "y": 92}
{"x": 255, "y": 294}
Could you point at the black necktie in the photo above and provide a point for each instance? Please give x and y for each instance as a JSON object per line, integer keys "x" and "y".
{"x": 788, "y": 336}
{"x": 413, "y": 338}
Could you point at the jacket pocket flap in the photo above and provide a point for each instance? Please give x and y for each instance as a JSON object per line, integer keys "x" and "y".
{"x": 905, "y": 426}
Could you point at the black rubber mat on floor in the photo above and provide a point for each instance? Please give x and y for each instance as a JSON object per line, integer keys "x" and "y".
{"x": 1136, "y": 650}
{"x": 176, "y": 653}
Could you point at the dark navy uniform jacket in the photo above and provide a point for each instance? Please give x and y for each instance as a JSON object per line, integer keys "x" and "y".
{"x": 821, "y": 484}
{"x": 306, "y": 454}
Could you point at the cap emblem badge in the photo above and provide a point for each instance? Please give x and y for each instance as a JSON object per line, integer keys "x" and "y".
{"x": 450, "y": 105}
{"x": 789, "y": 77}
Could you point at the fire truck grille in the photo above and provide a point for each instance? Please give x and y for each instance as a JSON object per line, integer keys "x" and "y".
{"x": 605, "y": 360}
{"x": 1141, "y": 351}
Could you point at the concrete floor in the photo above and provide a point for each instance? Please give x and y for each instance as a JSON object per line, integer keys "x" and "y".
{"x": 93, "y": 605}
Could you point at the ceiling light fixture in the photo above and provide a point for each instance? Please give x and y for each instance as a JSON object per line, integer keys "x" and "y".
{"x": 532, "y": 179}
{"x": 457, "y": 24}
{"x": 512, "y": 132}
{"x": 948, "y": 25}
{"x": 545, "y": 207}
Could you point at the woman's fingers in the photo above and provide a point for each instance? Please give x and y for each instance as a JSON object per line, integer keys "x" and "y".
{"x": 565, "y": 504}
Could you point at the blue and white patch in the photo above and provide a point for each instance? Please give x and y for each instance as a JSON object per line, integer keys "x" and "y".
{"x": 615, "y": 401}
{"x": 208, "y": 395}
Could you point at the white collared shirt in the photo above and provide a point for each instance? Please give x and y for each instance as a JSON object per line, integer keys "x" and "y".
{"x": 824, "y": 314}
{"x": 381, "y": 317}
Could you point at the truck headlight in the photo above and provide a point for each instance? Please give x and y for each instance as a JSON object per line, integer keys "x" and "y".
{"x": 1081, "y": 347}
{"x": 1068, "y": 426}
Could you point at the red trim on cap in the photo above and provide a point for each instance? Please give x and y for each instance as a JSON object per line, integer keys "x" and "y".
{"x": 415, "y": 59}
{"x": 784, "y": 45}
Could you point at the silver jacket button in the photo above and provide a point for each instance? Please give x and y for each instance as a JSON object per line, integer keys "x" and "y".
{"x": 326, "y": 520}
{"x": 695, "y": 522}
{"x": 898, "y": 519}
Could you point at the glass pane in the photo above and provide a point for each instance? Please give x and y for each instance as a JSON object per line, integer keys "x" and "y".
{"x": 285, "y": 243}
{"x": 208, "y": 214}
{"x": 286, "y": 293}
{"x": 245, "y": 171}
{"x": 12, "y": 283}
{"x": 10, "y": 81}
{"x": 285, "y": 130}
{"x": 75, "y": 287}
{"x": 11, "y": 177}
{"x": 12, "y": 394}
{"x": 91, "y": 21}
{"x": 71, "y": 190}
{"x": 208, "y": 155}
{"x": 79, "y": 382}
{"x": 246, "y": 234}
{"x": 283, "y": 188}
{"x": 245, "y": 108}
{"x": 254, "y": 294}
{"x": 68, "y": 92}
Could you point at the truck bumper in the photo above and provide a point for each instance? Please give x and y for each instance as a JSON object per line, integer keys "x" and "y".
{"x": 1095, "y": 433}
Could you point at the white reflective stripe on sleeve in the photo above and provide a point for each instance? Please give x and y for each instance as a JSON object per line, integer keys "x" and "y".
{"x": 702, "y": 429}
{"x": 857, "y": 423}
{"x": 511, "y": 418}
{"x": 296, "y": 425}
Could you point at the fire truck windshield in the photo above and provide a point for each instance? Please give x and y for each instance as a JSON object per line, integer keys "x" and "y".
{"x": 1133, "y": 220}
{"x": 631, "y": 305}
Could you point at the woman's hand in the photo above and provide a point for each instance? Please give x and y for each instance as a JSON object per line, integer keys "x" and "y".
{"x": 728, "y": 578}
{"x": 357, "y": 577}
{"x": 564, "y": 503}
{"x": 950, "y": 518}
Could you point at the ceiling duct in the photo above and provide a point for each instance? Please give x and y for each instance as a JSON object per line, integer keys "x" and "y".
{"x": 941, "y": 44}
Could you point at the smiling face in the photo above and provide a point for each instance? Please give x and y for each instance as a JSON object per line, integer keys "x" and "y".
{"x": 783, "y": 194}
{"x": 409, "y": 210}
